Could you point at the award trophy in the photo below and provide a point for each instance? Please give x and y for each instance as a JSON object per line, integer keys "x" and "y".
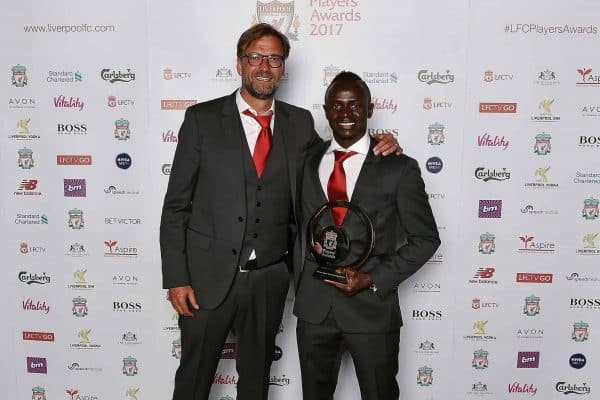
{"x": 338, "y": 246}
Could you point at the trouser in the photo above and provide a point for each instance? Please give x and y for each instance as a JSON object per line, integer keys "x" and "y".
{"x": 375, "y": 358}
{"x": 252, "y": 309}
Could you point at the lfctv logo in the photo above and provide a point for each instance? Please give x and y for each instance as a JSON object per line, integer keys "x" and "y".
{"x": 39, "y": 336}
{"x": 499, "y": 108}
{"x": 530, "y": 277}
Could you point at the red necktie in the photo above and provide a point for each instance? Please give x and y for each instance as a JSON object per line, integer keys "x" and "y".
{"x": 336, "y": 187}
{"x": 263, "y": 143}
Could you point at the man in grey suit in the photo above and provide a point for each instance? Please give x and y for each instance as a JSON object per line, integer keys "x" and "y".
{"x": 363, "y": 314}
{"x": 229, "y": 218}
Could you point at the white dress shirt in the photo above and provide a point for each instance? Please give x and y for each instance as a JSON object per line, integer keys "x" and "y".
{"x": 352, "y": 165}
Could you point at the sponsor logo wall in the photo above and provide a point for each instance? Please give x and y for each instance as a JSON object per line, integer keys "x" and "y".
{"x": 503, "y": 122}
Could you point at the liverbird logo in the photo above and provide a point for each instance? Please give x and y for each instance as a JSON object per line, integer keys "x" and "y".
{"x": 84, "y": 335}
{"x": 545, "y": 105}
{"x": 79, "y": 275}
{"x": 132, "y": 393}
{"x": 280, "y": 15}
{"x": 540, "y": 174}
{"x": 526, "y": 239}
{"x": 590, "y": 240}
{"x": 72, "y": 393}
{"x": 23, "y": 125}
{"x": 584, "y": 72}
{"x": 479, "y": 326}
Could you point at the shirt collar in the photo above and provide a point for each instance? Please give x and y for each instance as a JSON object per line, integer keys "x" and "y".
{"x": 360, "y": 147}
{"x": 242, "y": 105}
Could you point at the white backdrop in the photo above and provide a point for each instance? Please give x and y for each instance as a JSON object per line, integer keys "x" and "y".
{"x": 503, "y": 95}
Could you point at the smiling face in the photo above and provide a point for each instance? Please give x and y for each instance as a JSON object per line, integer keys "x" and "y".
{"x": 260, "y": 81}
{"x": 347, "y": 109}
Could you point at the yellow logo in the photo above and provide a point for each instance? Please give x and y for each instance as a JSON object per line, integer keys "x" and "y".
{"x": 545, "y": 106}
{"x": 479, "y": 326}
{"x": 540, "y": 174}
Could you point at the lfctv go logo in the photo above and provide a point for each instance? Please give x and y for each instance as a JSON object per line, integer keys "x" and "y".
{"x": 534, "y": 277}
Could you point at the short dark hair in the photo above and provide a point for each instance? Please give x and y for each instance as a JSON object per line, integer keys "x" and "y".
{"x": 348, "y": 76}
{"x": 258, "y": 31}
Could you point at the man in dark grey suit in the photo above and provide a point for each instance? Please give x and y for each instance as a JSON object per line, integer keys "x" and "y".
{"x": 229, "y": 218}
{"x": 362, "y": 314}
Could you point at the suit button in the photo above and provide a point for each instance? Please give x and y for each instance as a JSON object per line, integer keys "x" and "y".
{"x": 257, "y": 220}
{"x": 240, "y": 218}
{"x": 258, "y": 204}
{"x": 259, "y": 187}
{"x": 234, "y": 252}
{"x": 255, "y": 235}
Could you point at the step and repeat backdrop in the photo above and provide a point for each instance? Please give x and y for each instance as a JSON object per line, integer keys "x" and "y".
{"x": 499, "y": 101}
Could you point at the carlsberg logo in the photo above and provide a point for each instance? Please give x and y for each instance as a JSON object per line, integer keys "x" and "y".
{"x": 113, "y": 76}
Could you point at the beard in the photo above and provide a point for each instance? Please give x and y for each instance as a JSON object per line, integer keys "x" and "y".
{"x": 263, "y": 92}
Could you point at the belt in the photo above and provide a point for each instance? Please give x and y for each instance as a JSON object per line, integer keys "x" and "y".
{"x": 252, "y": 265}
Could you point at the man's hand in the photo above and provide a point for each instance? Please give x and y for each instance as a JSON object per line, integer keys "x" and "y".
{"x": 387, "y": 144}
{"x": 179, "y": 298}
{"x": 357, "y": 281}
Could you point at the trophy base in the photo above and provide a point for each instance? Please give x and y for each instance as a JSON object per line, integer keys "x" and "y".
{"x": 329, "y": 274}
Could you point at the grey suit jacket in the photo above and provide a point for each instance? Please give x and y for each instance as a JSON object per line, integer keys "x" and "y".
{"x": 201, "y": 231}
{"x": 392, "y": 192}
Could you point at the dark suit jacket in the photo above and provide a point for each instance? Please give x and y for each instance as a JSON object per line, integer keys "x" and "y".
{"x": 391, "y": 191}
{"x": 200, "y": 232}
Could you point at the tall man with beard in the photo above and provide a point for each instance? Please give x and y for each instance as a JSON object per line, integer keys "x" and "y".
{"x": 229, "y": 218}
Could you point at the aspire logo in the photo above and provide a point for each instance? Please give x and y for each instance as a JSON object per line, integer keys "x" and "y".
{"x": 531, "y": 246}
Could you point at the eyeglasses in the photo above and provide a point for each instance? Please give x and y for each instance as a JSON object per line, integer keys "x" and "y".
{"x": 255, "y": 59}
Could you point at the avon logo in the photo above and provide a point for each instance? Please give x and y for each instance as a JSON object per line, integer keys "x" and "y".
{"x": 72, "y": 102}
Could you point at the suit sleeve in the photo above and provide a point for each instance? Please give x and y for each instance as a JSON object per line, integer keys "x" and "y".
{"x": 177, "y": 204}
{"x": 422, "y": 237}
{"x": 315, "y": 138}
{"x": 309, "y": 138}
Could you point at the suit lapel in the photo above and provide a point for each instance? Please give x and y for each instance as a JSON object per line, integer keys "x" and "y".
{"x": 232, "y": 144}
{"x": 313, "y": 186}
{"x": 367, "y": 174}
{"x": 313, "y": 170}
{"x": 286, "y": 130}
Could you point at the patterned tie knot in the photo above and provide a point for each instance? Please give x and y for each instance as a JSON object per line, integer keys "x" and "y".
{"x": 341, "y": 156}
{"x": 263, "y": 120}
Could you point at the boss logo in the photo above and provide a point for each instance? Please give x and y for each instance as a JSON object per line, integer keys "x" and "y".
{"x": 427, "y": 314}
{"x": 130, "y": 306}
{"x": 71, "y": 128}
